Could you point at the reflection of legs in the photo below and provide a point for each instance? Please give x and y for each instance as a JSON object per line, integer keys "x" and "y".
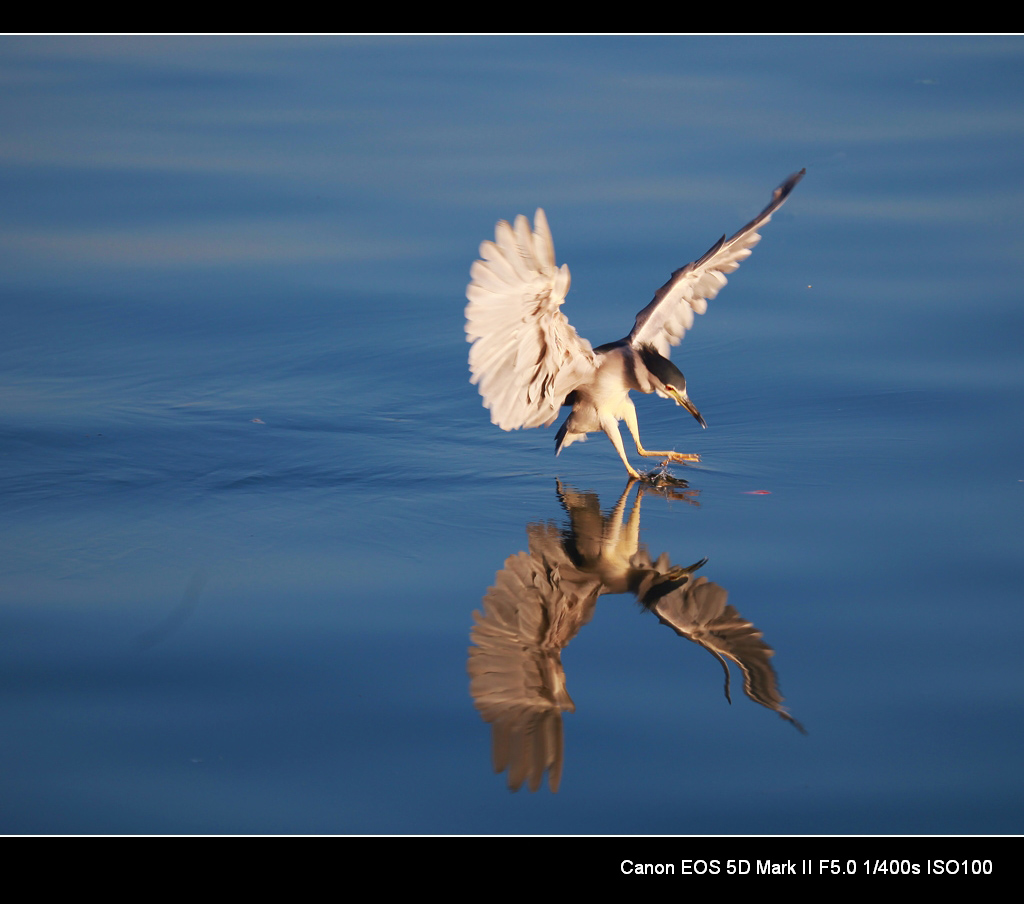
{"x": 633, "y": 525}
{"x": 614, "y": 525}
{"x": 614, "y": 520}
{"x": 630, "y": 419}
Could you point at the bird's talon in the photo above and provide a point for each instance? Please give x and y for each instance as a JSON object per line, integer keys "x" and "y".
{"x": 683, "y": 456}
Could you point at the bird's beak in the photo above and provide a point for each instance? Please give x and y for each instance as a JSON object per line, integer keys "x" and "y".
{"x": 681, "y": 398}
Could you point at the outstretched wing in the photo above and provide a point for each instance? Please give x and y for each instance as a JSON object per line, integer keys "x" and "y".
{"x": 666, "y": 319}
{"x": 526, "y": 358}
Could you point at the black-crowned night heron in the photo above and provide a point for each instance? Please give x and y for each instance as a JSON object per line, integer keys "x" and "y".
{"x": 528, "y": 361}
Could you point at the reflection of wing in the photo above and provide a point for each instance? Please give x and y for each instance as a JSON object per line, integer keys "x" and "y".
{"x": 667, "y": 318}
{"x": 699, "y": 612}
{"x": 537, "y": 605}
{"x": 525, "y": 355}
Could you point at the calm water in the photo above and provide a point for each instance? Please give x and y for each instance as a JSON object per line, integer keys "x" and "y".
{"x": 251, "y": 502}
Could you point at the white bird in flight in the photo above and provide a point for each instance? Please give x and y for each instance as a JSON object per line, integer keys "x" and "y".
{"x": 528, "y": 361}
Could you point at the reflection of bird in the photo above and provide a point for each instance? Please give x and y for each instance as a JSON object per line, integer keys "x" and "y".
{"x": 528, "y": 360}
{"x": 541, "y": 599}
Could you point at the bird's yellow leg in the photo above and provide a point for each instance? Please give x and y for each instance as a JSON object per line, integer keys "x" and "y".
{"x": 629, "y": 416}
{"x": 611, "y": 427}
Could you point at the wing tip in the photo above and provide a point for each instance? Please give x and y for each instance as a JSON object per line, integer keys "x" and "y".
{"x": 782, "y": 192}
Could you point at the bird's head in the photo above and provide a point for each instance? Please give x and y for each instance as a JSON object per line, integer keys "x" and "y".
{"x": 668, "y": 380}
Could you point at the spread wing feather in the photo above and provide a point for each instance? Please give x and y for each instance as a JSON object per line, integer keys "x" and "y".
{"x": 525, "y": 356}
{"x": 664, "y": 322}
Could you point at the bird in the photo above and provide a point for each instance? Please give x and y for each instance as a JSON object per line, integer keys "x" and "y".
{"x": 528, "y": 361}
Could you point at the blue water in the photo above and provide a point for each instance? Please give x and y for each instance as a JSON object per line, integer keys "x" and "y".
{"x": 250, "y": 501}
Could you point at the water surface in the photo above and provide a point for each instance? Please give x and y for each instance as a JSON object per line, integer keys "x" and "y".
{"x": 251, "y": 502}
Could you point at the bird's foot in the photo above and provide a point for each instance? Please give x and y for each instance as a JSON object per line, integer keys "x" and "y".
{"x": 682, "y": 456}
{"x": 670, "y": 487}
{"x": 660, "y": 477}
